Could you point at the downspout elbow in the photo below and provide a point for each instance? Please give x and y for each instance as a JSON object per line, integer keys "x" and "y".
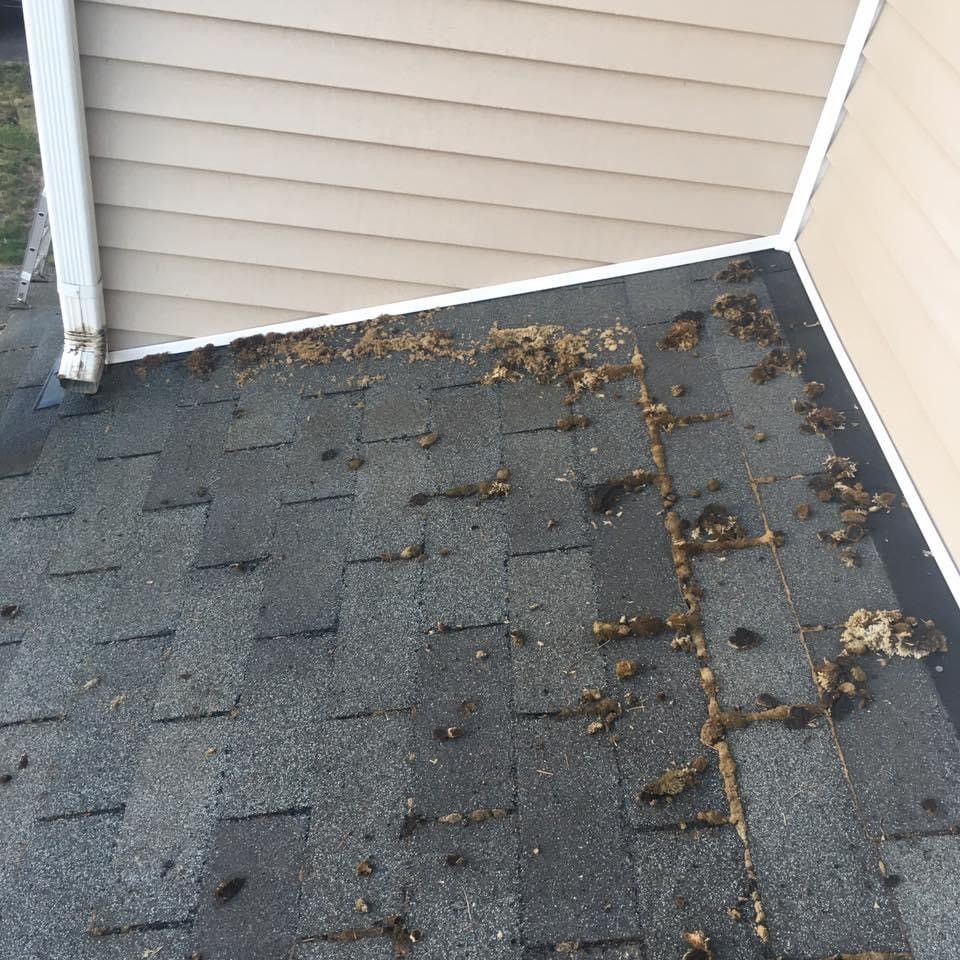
{"x": 84, "y": 337}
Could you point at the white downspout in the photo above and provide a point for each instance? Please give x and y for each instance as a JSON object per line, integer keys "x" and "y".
{"x": 51, "y": 31}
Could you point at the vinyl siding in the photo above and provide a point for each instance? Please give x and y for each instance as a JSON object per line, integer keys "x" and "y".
{"x": 300, "y": 158}
{"x": 882, "y": 240}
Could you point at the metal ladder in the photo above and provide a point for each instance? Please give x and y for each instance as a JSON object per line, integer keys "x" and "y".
{"x": 38, "y": 247}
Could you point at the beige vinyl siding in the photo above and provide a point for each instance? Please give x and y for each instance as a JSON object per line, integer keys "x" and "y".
{"x": 882, "y": 240}
{"x": 301, "y": 158}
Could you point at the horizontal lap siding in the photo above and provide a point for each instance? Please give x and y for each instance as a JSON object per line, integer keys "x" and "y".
{"x": 823, "y": 20}
{"x": 337, "y": 155}
{"x": 883, "y": 241}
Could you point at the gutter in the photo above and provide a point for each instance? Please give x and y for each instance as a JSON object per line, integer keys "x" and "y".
{"x": 51, "y": 32}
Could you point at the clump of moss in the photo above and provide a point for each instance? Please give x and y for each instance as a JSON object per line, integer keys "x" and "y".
{"x": 545, "y": 351}
{"x": 412, "y": 552}
{"x": 576, "y": 421}
{"x": 737, "y": 271}
{"x": 716, "y": 524}
{"x": 593, "y": 379}
{"x": 818, "y": 420}
{"x": 836, "y": 484}
{"x": 593, "y": 703}
{"x": 202, "y": 361}
{"x": 698, "y": 946}
{"x": 746, "y": 320}
{"x": 309, "y": 347}
{"x": 713, "y": 818}
{"x": 673, "y": 782}
{"x": 684, "y": 332}
{"x": 891, "y": 634}
{"x": 625, "y": 669}
{"x": 499, "y": 486}
{"x": 640, "y": 626}
{"x": 840, "y": 677}
{"x": 778, "y": 361}
{"x": 832, "y": 483}
{"x": 387, "y": 335}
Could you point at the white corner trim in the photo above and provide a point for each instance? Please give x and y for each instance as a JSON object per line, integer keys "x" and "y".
{"x": 941, "y": 553}
{"x": 846, "y": 72}
{"x": 51, "y": 33}
{"x": 476, "y": 295}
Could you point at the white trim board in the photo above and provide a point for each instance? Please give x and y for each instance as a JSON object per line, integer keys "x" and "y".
{"x": 476, "y": 295}
{"x": 941, "y": 553}
{"x": 847, "y": 68}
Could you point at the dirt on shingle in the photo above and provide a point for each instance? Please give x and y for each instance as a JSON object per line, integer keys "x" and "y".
{"x": 604, "y": 496}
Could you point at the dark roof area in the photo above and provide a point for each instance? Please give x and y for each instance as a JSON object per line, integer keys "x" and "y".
{"x": 367, "y": 657}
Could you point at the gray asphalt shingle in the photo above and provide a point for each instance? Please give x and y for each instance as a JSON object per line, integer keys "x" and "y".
{"x": 209, "y": 674}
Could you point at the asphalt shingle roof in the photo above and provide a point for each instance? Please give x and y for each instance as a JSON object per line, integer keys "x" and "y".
{"x": 230, "y": 729}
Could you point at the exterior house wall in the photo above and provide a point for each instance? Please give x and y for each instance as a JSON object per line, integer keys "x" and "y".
{"x": 259, "y": 162}
{"x": 882, "y": 240}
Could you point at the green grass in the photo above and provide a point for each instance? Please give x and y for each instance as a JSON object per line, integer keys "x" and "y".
{"x": 20, "y": 175}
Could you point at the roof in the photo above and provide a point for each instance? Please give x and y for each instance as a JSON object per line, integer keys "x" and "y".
{"x": 370, "y": 656}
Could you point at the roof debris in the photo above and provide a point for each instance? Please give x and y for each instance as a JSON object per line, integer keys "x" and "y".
{"x": 576, "y": 421}
{"x": 411, "y": 552}
{"x": 673, "y": 782}
{"x": 819, "y": 420}
{"x": 716, "y": 524}
{"x": 684, "y": 332}
{"x": 890, "y": 633}
{"x": 737, "y": 271}
{"x": 841, "y": 677}
{"x": 747, "y": 320}
{"x": 778, "y": 361}
{"x": 604, "y": 496}
{"x": 393, "y": 928}
{"x": 698, "y": 946}
{"x": 226, "y": 890}
{"x": 543, "y": 350}
{"x": 202, "y": 361}
{"x": 639, "y": 626}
